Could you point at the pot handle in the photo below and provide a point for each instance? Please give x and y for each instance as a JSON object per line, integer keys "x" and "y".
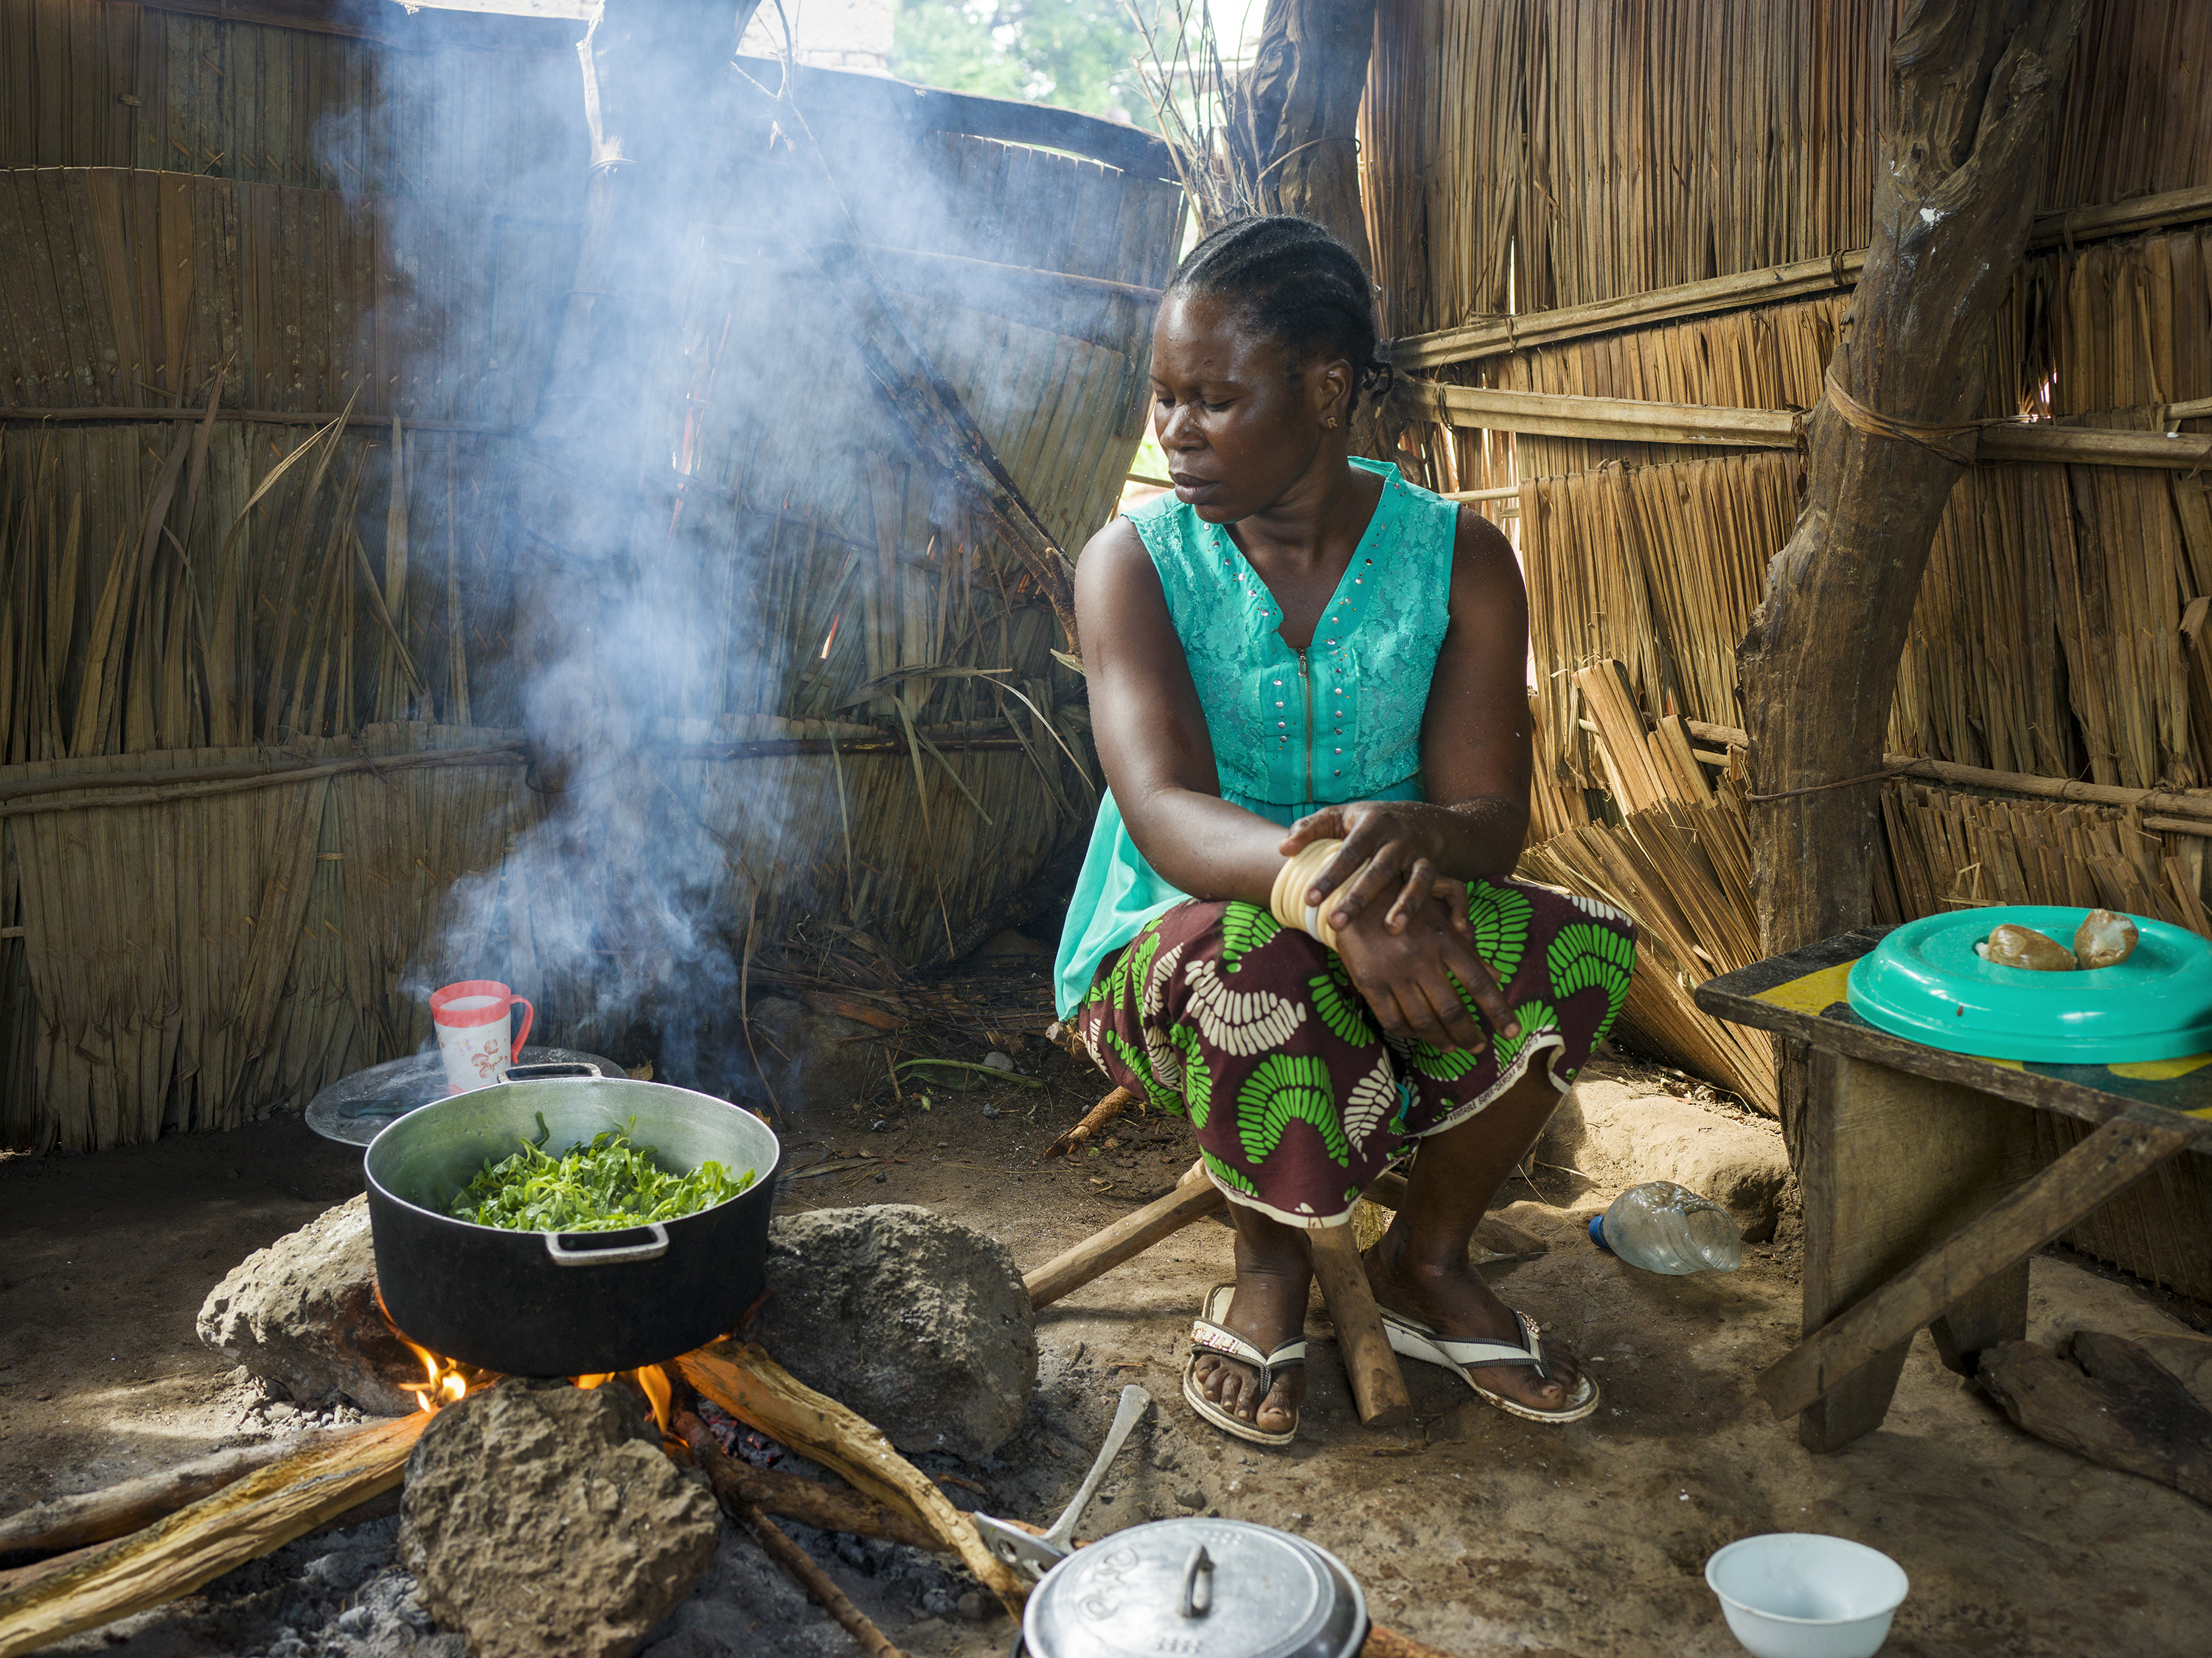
{"x": 551, "y": 1071}
{"x": 614, "y": 1257}
{"x": 1195, "y": 1603}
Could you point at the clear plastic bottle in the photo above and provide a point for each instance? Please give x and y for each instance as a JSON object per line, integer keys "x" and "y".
{"x": 1665, "y": 1227}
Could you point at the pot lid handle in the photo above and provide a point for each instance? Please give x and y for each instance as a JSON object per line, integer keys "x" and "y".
{"x": 549, "y": 1070}
{"x": 1196, "y": 1603}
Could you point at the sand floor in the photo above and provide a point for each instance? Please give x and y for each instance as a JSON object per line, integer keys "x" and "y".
{"x": 1472, "y": 1530}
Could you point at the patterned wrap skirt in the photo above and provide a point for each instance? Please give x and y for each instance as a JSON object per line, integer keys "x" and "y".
{"x": 1253, "y": 1029}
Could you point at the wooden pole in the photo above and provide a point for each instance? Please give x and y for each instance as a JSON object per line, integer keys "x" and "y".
{"x": 100, "y": 1517}
{"x": 1504, "y": 336}
{"x": 1194, "y": 1197}
{"x": 1973, "y": 87}
{"x": 1297, "y": 113}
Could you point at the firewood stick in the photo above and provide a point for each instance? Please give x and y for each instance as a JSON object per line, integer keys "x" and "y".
{"x": 198, "y": 1543}
{"x": 16, "y": 1576}
{"x": 1194, "y": 1197}
{"x": 810, "y": 1578}
{"x": 753, "y": 1388}
{"x": 729, "y": 1479}
{"x": 62, "y": 1523}
{"x": 1093, "y": 1120}
{"x": 807, "y": 1501}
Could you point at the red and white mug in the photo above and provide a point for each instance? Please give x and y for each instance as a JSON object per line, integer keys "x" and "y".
{"x": 473, "y": 1018}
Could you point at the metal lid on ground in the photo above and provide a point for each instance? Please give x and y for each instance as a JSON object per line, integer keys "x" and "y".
{"x": 1198, "y": 1588}
{"x": 1925, "y": 982}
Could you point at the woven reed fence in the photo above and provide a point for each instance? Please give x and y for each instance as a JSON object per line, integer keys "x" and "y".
{"x": 365, "y": 100}
{"x": 1537, "y": 154}
{"x": 878, "y": 741}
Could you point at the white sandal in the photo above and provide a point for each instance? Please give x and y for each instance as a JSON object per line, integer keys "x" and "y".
{"x": 1209, "y": 1335}
{"x": 1416, "y": 1340}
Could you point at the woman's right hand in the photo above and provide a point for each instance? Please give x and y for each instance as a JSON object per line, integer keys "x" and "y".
{"x": 1411, "y": 978}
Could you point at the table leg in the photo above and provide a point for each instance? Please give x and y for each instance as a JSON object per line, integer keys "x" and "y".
{"x": 1891, "y": 1164}
{"x": 1996, "y": 1312}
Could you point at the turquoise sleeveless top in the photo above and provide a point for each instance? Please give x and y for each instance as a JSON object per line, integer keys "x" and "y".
{"x": 1293, "y": 731}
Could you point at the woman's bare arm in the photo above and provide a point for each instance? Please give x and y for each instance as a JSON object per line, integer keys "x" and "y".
{"x": 1151, "y": 731}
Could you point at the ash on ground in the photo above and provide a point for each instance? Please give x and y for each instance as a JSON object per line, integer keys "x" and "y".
{"x": 345, "y": 1595}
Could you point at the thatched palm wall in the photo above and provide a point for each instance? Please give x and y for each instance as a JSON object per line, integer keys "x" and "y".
{"x": 300, "y": 216}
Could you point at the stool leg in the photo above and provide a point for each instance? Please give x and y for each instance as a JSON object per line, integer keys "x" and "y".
{"x": 1378, "y": 1387}
{"x": 1193, "y": 1198}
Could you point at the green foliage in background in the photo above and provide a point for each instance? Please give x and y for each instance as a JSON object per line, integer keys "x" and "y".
{"x": 1075, "y": 54}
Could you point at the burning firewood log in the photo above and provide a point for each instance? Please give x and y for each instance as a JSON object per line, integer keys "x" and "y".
{"x": 753, "y": 1388}
{"x": 730, "y": 1480}
{"x": 199, "y": 1543}
{"x": 70, "y": 1523}
{"x": 807, "y": 1501}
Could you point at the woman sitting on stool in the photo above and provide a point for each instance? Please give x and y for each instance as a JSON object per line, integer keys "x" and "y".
{"x": 1299, "y": 640}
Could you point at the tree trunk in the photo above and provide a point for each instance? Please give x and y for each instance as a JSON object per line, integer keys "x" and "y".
{"x": 1299, "y": 114}
{"x": 1297, "y": 119}
{"x": 1974, "y": 84}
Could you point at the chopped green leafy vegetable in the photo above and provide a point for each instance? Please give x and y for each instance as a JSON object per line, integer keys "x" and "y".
{"x": 605, "y": 1185}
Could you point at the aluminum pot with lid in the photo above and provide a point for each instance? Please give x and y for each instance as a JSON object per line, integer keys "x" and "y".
{"x": 1197, "y": 1588}
{"x": 553, "y": 1304}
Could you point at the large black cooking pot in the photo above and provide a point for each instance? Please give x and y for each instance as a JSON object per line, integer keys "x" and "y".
{"x": 547, "y": 1303}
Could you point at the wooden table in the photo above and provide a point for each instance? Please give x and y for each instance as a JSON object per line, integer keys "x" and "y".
{"x": 1923, "y": 1202}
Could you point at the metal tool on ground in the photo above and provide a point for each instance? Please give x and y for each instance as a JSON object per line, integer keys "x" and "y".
{"x": 1037, "y": 1555}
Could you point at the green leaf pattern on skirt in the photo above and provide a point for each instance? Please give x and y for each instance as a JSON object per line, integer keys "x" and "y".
{"x": 1218, "y": 997}
{"x": 1288, "y": 1088}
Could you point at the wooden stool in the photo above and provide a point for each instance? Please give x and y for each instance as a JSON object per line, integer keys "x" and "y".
{"x": 1378, "y": 1388}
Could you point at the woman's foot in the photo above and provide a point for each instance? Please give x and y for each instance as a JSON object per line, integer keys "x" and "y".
{"x": 1452, "y": 1300}
{"x": 1272, "y": 1276}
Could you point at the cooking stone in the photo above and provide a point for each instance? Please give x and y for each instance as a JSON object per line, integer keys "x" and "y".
{"x": 353, "y": 1110}
{"x": 541, "y": 1518}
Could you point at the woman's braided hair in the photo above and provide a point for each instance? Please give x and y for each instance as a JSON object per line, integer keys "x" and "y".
{"x": 1292, "y": 281}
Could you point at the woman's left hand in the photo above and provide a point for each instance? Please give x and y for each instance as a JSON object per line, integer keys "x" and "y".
{"x": 1403, "y": 839}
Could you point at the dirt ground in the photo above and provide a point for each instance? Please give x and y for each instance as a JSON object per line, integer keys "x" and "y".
{"x": 1472, "y": 1530}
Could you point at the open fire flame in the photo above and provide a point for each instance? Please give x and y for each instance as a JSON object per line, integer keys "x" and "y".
{"x": 447, "y": 1381}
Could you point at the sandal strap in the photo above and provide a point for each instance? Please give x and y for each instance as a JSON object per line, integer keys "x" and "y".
{"x": 1218, "y": 1339}
{"x": 1472, "y": 1353}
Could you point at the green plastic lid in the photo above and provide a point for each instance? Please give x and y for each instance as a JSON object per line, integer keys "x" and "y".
{"x": 1925, "y": 982}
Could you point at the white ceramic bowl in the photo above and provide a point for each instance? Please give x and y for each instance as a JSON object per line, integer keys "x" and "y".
{"x": 1800, "y": 1594}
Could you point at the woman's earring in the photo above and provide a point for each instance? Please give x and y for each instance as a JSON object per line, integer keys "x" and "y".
{"x": 1330, "y": 422}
